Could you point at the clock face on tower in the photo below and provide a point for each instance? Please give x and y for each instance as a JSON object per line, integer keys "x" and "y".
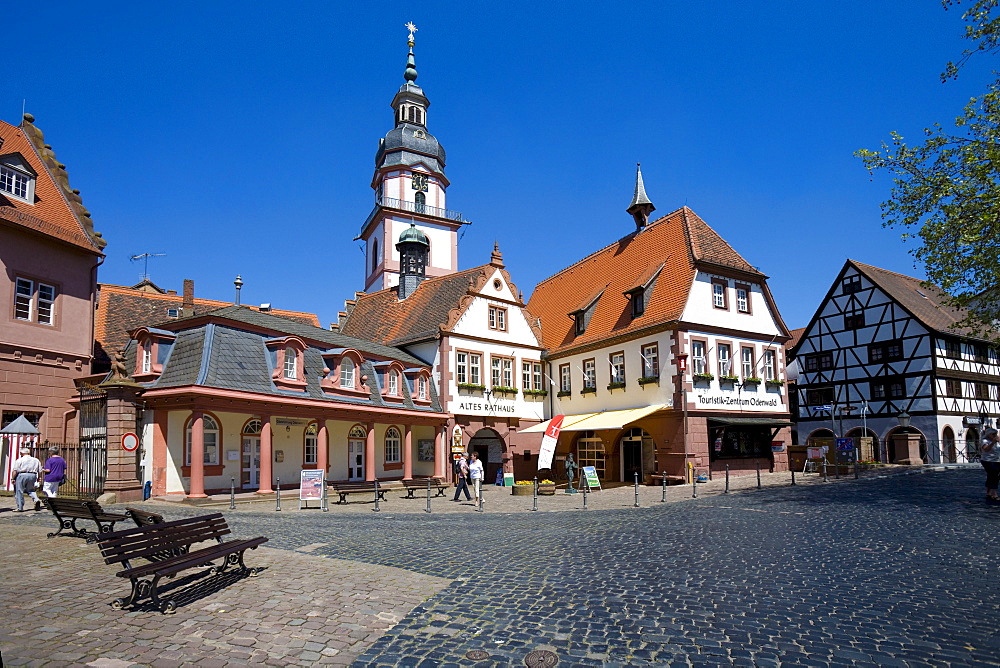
{"x": 419, "y": 182}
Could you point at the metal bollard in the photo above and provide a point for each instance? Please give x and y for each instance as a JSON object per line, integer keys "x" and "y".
{"x": 428, "y": 508}
{"x": 326, "y": 504}
{"x": 793, "y": 477}
{"x": 479, "y": 508}
{"x": 664, "y": 499}
{"x": 232, "y": 493}
{"x": 857, "y": 473}
{"x": 534, "y": 495}
{"x": 277, "y": 495}
{"x": 826, "y": 477}
{"x": 694, "y": 486}
{"x": 757, "y": 461}
{"x": 727, "y": 479}
{"x": 376, "y": 508}
{"x": 586, "y": 489}
{"x": 636, "y": 505}
{"x": 836, "y": 471}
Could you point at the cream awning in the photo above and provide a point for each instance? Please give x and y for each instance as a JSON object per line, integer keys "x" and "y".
{"x": 597, "y": 421}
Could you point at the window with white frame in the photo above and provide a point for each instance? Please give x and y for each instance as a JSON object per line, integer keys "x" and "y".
{"x": 498, "y": 318}
{"x": 565, "y": 378}
{"x": 468, "y": 368}
{"x": 502, "y": 371}
{"x": 746, "y": 359}
{"x": 347, "y": 373}
{"x": 531, "y": 375}
{"x": 311, "y": 445}
{"x": 742, "y": 300}
{"x": 147, "y": 357}
{"x": 15, "y": 183}
{"x": 590, "y": 373}
{"x": 393, "y": 382}
{"x": 211, "y": 440}
{"x": 719, "y": 293}
{"x": 34, "y": 302}
{"x": 769, "y": 370}
{"x": 651, "y": 360}
{"x": 698, "y": 357}
{"x": 617, "y": 367}
{"x": 725, "y": 362}
{"x": 392, "y": 449}
{"x": 422, "y": 388}
{"x": 290, "y": 360}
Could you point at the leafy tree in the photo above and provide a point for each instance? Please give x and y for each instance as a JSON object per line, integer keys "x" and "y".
{"x": 946, "y": 190}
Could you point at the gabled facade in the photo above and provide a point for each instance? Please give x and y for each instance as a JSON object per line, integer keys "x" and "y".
{"x": 49, "y": 253}
{"x": 237, "y": 393}
{"x": 882, "y": 344}
{"x": 473, "y": 329}
{"x": 667, "y": 351}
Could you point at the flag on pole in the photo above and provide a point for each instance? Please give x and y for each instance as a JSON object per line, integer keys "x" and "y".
{"x": 548, "y": 447}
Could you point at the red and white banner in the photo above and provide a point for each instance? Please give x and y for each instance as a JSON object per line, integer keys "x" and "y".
{"x": 548, "y": 448}
{"x": 11, "y": 445}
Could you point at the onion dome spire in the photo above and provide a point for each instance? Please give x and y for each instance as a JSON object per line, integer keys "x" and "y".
{"x": 641, "y": 207}
{"x": 410, "y": 74}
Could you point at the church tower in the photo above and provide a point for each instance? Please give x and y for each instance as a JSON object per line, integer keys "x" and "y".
{"x": 410, "y": 186}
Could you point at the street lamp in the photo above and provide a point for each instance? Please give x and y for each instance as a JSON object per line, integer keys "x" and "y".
{"x": 904, "y": 420}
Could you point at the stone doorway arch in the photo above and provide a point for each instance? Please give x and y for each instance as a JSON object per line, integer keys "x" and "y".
{"x": 491, "y": 448}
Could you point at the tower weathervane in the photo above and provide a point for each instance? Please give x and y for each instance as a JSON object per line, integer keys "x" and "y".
{"x": 412, "y": 28}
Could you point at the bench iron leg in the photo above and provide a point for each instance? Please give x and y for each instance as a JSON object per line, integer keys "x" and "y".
{"x": 140, "y": 589}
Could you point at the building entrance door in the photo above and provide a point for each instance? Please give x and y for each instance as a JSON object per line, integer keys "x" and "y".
{"x": 490, "y": 447}
{"x": 355, "y": 459}
{"x": 251, "y": 462}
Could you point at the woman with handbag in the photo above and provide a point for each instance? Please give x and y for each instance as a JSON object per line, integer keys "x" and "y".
{"x": 55, "y": 472}
{"x": 989, "y": 457}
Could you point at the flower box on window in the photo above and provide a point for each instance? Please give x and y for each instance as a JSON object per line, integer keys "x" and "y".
{"x": 616, "y": 386}
{"x": 564, "y": 393}
{"x": 751, "y": 381}
{"x": 471, "y": 387}
{"x": 703, "y": 377}
{"x": 499, "y": 389}
{"x": 646, "y": 380}
{"x": 589, "y": 390}
{"x": 775, "y": 381}
{"x": 536, "y": 393}
{"x": 728, "y": 379}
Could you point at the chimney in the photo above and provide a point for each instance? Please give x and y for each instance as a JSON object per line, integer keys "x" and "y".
{"x": 188, "y": 303}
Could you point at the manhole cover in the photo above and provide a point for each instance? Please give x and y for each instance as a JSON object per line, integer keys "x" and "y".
{"x": 541, "y": 658}
{"x": 477, "y": 655}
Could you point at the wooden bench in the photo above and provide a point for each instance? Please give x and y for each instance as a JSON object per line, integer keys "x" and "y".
{"x": 143, "y": 517}
{"x": 342, "y": 489}
{"x": 68, "y": 511}
{"x": 168, "y": 544}
{"x": 420, "y": 485}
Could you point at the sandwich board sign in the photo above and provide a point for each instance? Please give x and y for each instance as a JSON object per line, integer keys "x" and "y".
{"x": 310, "y": 486}
{"x": 589, "y": 474}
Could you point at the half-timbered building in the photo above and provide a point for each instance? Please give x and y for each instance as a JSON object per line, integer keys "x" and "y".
{"x": 883, "y": 362}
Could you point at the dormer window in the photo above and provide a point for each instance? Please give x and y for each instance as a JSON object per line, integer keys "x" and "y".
{"x": 393, "y": 383}
{"x": 639, "y": 295}
{"x": 152, "y": 348}
{"x": 347, "y": 373}
{"x": 288, "y": 363}
{"x": 422, "y": 389}
{"x": 17, "y": 179}
{"x": 147, "y": 357}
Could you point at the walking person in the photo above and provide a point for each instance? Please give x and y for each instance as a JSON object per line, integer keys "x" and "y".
{"x": 989, "y": 457}
{"x": 26, "y": 469}
{"x": 462, "y": 472}
{"x": 55, "y": 472}
{"x": 476, "y": 472}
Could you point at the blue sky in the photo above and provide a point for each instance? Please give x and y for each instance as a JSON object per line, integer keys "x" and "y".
{"x": 239, "y": 138}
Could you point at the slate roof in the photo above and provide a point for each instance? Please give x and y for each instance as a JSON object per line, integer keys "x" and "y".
{"x": 924, "y": 302}
{"x": 58, "y": 210}
{"x": 122, "y": 309}
{"x": 680, "y": 241}
{"x": 226, "y": 349}
{"x": 380, "y": 316}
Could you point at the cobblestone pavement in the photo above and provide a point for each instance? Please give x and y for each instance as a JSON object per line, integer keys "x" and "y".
{"x": 887, "y": 571}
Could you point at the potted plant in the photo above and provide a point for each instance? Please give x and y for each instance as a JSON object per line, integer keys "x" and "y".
{"x": 564, "y": 393}
{"x": 500, "y": 389}
{"x": 536, "y": 393}
{"x": 471, "y": 387}
{"x": 646, "y": 380}
{"x": 703, "y": 377}
{"x": 589, "y": 390}
{"x": 616, "y": 386}
{"x": 777, "y": 382}
{"x": 546, "y": 487}
{"x": 728, "y": 379}
{"x": 752, "y": 380}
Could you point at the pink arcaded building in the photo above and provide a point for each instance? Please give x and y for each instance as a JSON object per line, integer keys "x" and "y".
{"x": 50, "y": 253}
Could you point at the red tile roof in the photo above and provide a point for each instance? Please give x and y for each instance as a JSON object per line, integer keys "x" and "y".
{"x": 123, "y": 309}
{"x": 57, "y": 211}
{"x": 680, "y": 241}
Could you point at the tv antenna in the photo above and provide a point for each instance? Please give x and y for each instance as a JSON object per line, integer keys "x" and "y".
{"x": 145, "y": 262}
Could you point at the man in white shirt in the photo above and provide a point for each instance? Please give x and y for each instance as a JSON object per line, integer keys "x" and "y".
{"x": 476, "y": 474}
{"x": 26, "y": 469}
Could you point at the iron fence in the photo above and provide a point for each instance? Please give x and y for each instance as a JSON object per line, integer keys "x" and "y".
{"x": 86, "y": 467}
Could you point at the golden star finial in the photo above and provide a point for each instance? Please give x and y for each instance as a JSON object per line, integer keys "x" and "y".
{"x": 412, "y": 28}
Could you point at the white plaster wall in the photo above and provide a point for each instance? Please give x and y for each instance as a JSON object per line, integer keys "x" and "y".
{"x": 441, "y": 238}
{"x": 475, "y": 403}
{"x": 633, "y": 395}
{"x": 731, "y": 397}
{"x": 699, "y": 308}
